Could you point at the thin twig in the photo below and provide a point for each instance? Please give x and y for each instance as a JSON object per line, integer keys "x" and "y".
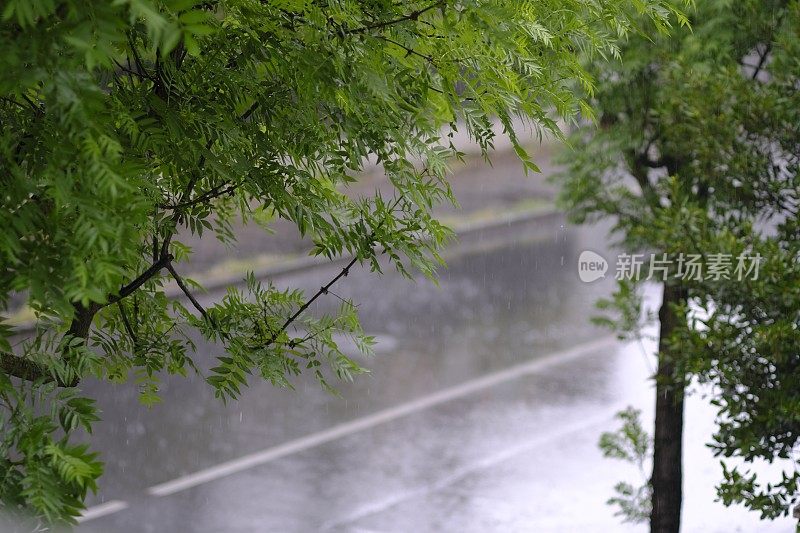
{"x": 414, "y": 15}
{"x": 214, "y": 192}
{"x": 189, "y": 295}
{"x": 140, "y": 75}
{"x": 320, "y": 292}
{"x": 126, "y": 323}
{"x": 762, "y": 60}
{"x": 409, "y": 51}
{"x": 768, "y": 48}
{"x": 326, "y": 288}
{"x": 137, "y": 59}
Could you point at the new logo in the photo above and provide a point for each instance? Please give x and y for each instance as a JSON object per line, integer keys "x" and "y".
{"x": 591, "y": 266}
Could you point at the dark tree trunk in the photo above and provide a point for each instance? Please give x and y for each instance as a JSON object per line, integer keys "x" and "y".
{"x": 667, "y": 476}
{"x": 82, "y": 320}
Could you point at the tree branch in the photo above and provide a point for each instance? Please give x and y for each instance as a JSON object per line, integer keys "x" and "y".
{"x": 762, "y": 61}
{"x": 141, "y": 279}
{"x": 188, "y": 294}
{"x": 12, "y": 101}
{"x": 768, "y": 48}
{"x": 320, "y": 292}
{"x": 654, "y": 163}
{"x": 137, "y": 59}
{"x": 36, "y": 108}
{"x": 249, "y": 111}
{"x": 22, "y": 368}
{"x": 214, "y": 192}
{"x": 79, "y": 327}
{"x": 140, "y": 75}
{"x": 409, "y": 51}
{"x": 638, "y": 169}
{"x": 414, "y": 15}
{"x": 126, "y": 323}
{"x": 326, "y": 288}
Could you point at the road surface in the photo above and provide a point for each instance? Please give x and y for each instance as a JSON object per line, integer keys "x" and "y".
{"x": 482, "y": 414}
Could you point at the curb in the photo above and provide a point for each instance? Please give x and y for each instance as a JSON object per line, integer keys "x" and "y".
{"x": 305, "y": 264}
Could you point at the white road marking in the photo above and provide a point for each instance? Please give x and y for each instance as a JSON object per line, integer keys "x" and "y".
{"x": 481, "y": 464}
{"x": 103, "y": 509}
{"x": 381, "y": 417}
{"x": 354, "y": 426}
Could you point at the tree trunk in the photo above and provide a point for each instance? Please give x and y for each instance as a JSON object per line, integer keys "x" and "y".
{"x": 82, "y": 321}
{"x": 667, "y": 477}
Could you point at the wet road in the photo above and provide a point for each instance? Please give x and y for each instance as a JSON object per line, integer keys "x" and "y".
{"x": 482, "y": 413}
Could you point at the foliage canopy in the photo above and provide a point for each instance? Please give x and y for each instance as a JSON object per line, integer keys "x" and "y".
{"x": 128, "y": 122}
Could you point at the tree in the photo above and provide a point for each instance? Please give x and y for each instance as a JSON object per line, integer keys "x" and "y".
{"x": 697, "y": 157}
{"x": 127, "y": 122}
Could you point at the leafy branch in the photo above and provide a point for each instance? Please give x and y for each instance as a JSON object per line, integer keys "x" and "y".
{"x": 326, "y": 288}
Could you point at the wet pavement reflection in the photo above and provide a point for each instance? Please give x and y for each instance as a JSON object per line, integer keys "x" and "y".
{"x": 516, "y": 455}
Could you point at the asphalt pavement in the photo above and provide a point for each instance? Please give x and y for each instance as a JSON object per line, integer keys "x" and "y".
{"x": 482, "y": 412}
